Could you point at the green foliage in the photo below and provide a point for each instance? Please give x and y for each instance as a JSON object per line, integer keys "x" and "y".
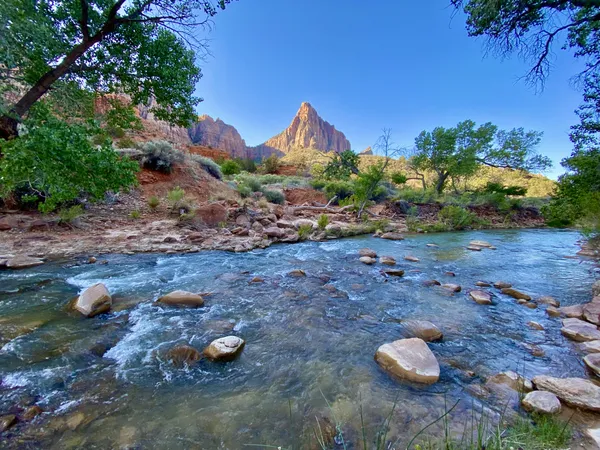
{"x": 135, "y": 214}
{"x": 459, "y": 151}
{"x": 323, "y": 221}
{"x": 341, "y": 166}
{"x": 69, "y": 214}
{"x": 456, "y": 218}
{"x": 341, "y": 189}
{"x": 367, "y": 184}
{"x": 153, "y": 202}
{"x": 498, "y": 188}
{"x": 208, "y": 165}
{"x": 58, "y": 162}
{"x": 246, "y": 164}
{"x": 230, "y": 167}
{"x": 160, "y": 156}
{"x": 304, "y": 231}
{"x": 274, "y": 196}
{"x": 175, "y": 196}
{"x": 398, "y": 178}
{"x": 270, "y": 164}
{"x": 126, "y": 142}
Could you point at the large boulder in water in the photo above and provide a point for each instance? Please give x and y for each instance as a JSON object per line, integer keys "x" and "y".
{"x": 182, "y": 298}
{"x": 423, "y": 329}
{"x": 481, "y": 297}
{"x": 367, "y": 252}
{"x": 577, "y": 392}
{"x": 483, "y": 244}
{"x": 224, "y": 349}
{"x": 392, "y": 236}
{"x": 511, "y": 380}
{"x": 541, "y": 402}
{"x": 410, "y": 359}
{"x": 580, "y": 331}
{"x": 573, "y": 311}
{"x": 93, "y": 301}
{"x": 387, "y": 260}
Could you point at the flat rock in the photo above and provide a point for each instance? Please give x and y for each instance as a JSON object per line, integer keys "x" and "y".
{"x": 473, "y": 248}
{"x": 367, "y": 252}
{"x": 411, "y": 258}
{"x": 93, "y": 301}
{"x": 483, "y": 284}
{"x": 481, "y": 297}
{"x": 535, "y": 325}
{"x": 477, "y": 243}
{"x": 502, "y": 285}
{"x": 590, "y": 346}
{"x": 410, "y": 359}
{"x": 526, "y": 304}
{"x": 553, "y": 311}
{"x": 22, "y": 262}
{"x": 224, "y": 349}
{"x": 387, "y": 260}
{"x": 394, "y": 272}
{"x": 580, "y": 331}
{"x": 274, "y": 232}
{"x": 591, "y": 312}
{"x": 182, "y": 298}
{"x": 393, "y": 236}
{"x": 432, "y": 245}
{"x": 575, "y": 311}
{"x": 367, "y": 260}
{"x": 452, "y": 287}
{"x": 183, "y": 355}
{"x": 423, "y": 329}
{"x": 515, "y": 294}
{"x": 541, "y": 402}
{"x": 512, "y": 380}
{"x": 429, "y": 283}
{"x": 577, "y": 392}
{"x": 593, "y": 362}
{"x": 297, "y": 273}
{"x": 547, "y": 300}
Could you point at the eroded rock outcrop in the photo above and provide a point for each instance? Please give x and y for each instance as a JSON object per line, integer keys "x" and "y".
{"x": 217, "y": 134}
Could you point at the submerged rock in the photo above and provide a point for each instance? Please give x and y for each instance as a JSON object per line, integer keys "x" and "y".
{"x": 392, "y": 236}
{"x": 394, "y": 272}
{"x": 429, "y": 283}
{"x": 411, "y": 258}
{"x": 580, "y": 331}
{"x": 577, "y": 392}
{"x": 32, "y": 412}
{"x": 593, "y": 362}
{"x": 541, "y": 402}
{"x": 483, "y": 284}
{"x": 535, "y": 325}
{"x": 473, "y": 248}
{"x": 387, "y": 260}
{"x": 484, "y": 244}
{"x": 513, "y": 380}
{"x": 182, "y": 298}
{"x": 452, "y": 287}
{"x": 183, "y": 355}
{"x": 7, "y": 421}
{"x": 547, "y": 300}
{"x": 225, "y": 348}
{"x": 423, "y": 329}
{"x": 367, "y": 260}
{"x": 516, "y": 294}
{"x": 481, "y": 297}
{"x": 367, "y": 252}
{"x": 502, "y": 285}
{"x": 297, "y": 273}
{"x": 410, "y": 359}
{"x": 93, "y": 301}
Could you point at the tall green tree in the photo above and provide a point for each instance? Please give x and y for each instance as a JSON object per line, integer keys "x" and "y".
{"x": 143, "y": 48}
{"x": 459, "y": 151}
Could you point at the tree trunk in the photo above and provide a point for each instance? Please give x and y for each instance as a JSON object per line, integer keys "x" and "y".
{"x": 441, "y": 182}
{"x": 8, "y": 127}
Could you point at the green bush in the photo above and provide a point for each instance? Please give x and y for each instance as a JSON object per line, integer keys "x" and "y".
{"x": 175, "y": 196}
{"x": 304, "y": 231}
{"x": 323, "y": 221}
{"x": 341, "y": 189}
{"x": 456, "y": 218}
{"x": 270, "y": 164}
{"x": 274, "y": 196}
{"x": 160, "y": 156}
{"x": 153, "y": 202}
{"x": 493, "y": 187}
{"x": 59, "y": 163}
{"x": 398, "y": 178}
{"x": 208, "y": 165}
{"x": 126, "y": 142}
{"x": 246, "y": 164}
{"x": 230, "y": 167}
{"x": 68, "y": 215}
{"x": 135, "y": 214}
{"x": 318, "y": 183}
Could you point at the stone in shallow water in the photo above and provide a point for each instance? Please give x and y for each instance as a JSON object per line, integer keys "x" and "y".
{"x": 474, "y": 248}
{"x": 477, "y": 243}
{"x": 22, "y": 262}
{"x": 410, "y": 359}
{"x": 591, "y": 312}
{"x": 183, "y": 355}
{"x": 547, "y": 300}
{"x": 394, "y": 272}
{"x": 297, "y": 273}
{"x": 535, "y": 325}
{"x": 7, "y": 421}
{"x": 552, "y": 311}
{"x": 502, "y": 285}
{"x": 423, "y": 329}
{"x": 387, "y": 260}
{"x": 593, "y": 362}
{"x": 483, "y": 284}
{"x": 431, "y": 283}
{"x": 32, "y": 412}
{"x": 392, "y": 236}
{"x": 411, "y": 258}
{"x": 542, "y": 402}
{"x": 580, "y": 331}
{"x": 481, "y": 297}
{"x": 367, "y": 260}
{"x": 93, "y": 301}
{"x": 182, "y": 298}
{"x": 225, "y": 348}
{"x": 452, "y": 287}
{"x": 367, "y": 252}
{"x": 590, "y": 346}
{"x": 512, "y": 380}
{"x": 516, "y": 294}
{"x": 578, "y": 392}
{"x": 574, "y": 311}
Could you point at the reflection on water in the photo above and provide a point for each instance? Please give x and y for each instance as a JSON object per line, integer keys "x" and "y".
{"x": 104, "y": 382}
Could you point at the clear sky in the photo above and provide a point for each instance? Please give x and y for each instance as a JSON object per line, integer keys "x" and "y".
{"x": 404, "y": 65}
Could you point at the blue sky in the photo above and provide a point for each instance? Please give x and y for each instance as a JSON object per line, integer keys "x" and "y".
{"x": 404, "y": 65}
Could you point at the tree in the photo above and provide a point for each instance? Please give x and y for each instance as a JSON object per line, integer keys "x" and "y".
{"x": 459, "y": 151}
{"x": 532, "y": 28}
{"x": 342, "y": 166}
{"x": 142, "y": 48}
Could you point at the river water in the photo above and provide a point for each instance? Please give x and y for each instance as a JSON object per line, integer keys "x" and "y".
{"x": 105, "y": 383}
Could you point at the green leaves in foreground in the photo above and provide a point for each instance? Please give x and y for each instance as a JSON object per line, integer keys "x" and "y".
{"x": 55, "y": 163}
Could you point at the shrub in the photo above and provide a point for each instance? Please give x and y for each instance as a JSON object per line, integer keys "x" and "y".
{"x": 341, "y": 189}
{"x": 323, "y": 221}
{"x": 68, "y": 215}
{"x": 175, "y": 196}
{"x": 304, "y": 231}
{"x": 208, "y": 165}
{"x": 153, "y": 202}
{"x": 160, "y": 156}
{"x": 456, "y": 218}
{"x": 493, "y": 187}
{"x": 246, "y": 164}
{"x": 398, "y": 178}
{"x": 270, "y": 164}
{"x": 318, "y": 184}
{"x": 230, "y": 167}
{"x": 250, "y": 184}
{"x": 59, "y": 163}
{"x": 135, "y": 214}
{"x": 126, "y": 142}
{"x": 274, "y": 196}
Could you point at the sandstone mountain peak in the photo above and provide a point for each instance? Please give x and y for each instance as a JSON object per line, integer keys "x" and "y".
{"x": 219, "y": 135}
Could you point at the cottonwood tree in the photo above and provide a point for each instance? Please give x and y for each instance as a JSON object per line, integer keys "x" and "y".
{"x": 142, "y": 48}
{"x": 459, "y": 151}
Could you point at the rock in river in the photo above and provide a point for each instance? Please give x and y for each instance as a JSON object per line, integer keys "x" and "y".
{"x": 535, "y": 325}
{"x": 387, "y": 260}
{"x": 182, "y": 298}
{"x": 297, "y": 273}
{"x": 591, "y": 312}
{"x": 410, "y": 359}
{"x": 578, "y": 392}
{"x": 547, "y": 300}
{"x": 593, "y": 362}
{"x": 367, "y": 252}
{"x": 502, "y": 285}
{"x": 512, "y": 380}
{"x": 590, "y": 346}
{"x": 394, "y": 272}
{"x": 542, "y": 402}
{"x": 93, "y": 301}
{"x": 423, "y": 329}
{"x": 452, "y": 287}
{"x": 516, "y": 294}
{"x": 411, "y": 258}
{"x": 183, "y": 355}
{"x": 392, "y": 236}
{"x": 367, "y": 260}
{"x": 481, "y": 297}
{"x": 580, "y": 331}
{"x": 224, "y": 349}
{"x": 483, "y": 284}
{"x": 7, "y": 421}
{"x": 22, "y": 262}
{"x": 483, "y": 244}
{"x": 574, "y": 311}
